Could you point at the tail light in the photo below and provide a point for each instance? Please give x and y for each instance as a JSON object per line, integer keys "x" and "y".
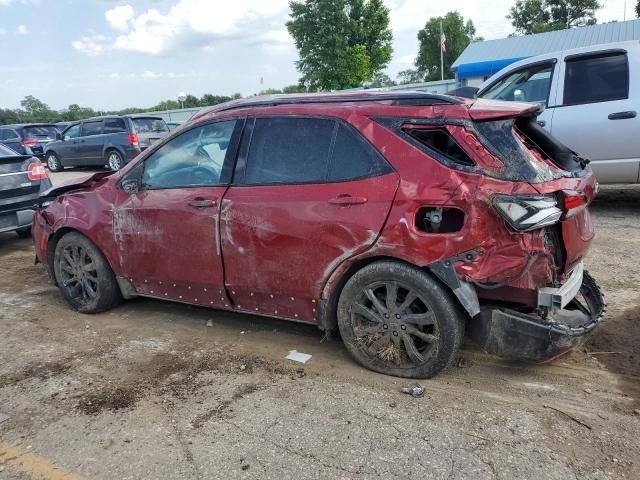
{"x": 36, "y": 171}
{"x": 133, "y": 139}
{"x": 528, "y": 212}
{"x": 573, "y": 203}
{"x": 29, "y": 143}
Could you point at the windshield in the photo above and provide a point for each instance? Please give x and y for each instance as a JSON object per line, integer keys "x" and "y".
{"x": 40, "y": 132}
{"x": 149, "y": 125}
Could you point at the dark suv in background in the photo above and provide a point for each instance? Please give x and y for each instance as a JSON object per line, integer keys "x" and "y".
{"x": 28, "y": 139}
{"x": 111, "y": 141}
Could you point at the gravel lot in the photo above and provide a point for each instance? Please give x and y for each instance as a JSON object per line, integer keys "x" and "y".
{"x": 149, "y": 391}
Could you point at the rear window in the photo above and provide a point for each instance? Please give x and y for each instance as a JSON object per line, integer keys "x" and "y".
{"x": 150, "y": 125}
{"x": 40, "y": 132}
{"x": 6, "y": 152}
{"x": 596, "y": 79}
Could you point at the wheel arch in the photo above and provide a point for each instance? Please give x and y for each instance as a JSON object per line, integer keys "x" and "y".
{"x": 327, "y": 320}
{"x": 109, "y": 147}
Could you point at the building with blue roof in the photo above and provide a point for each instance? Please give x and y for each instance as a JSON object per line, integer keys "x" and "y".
{"x": 480, "y": 60}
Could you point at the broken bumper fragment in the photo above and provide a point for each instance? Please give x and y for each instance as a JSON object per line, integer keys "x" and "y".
{"x": 565, "y": 318}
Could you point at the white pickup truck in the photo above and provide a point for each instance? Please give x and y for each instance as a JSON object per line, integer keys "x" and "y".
{"x": 591, "y": 97}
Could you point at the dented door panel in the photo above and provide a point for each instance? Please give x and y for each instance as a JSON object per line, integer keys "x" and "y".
{"x": 281, "y": 243}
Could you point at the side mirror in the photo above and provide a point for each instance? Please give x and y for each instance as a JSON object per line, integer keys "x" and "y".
{"x": 131, "y": 185}
{"x": 59, "y": 136}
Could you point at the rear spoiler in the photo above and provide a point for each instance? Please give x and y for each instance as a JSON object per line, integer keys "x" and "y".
{"x": 482, "y": 109}
{"x": 16, "y": 158}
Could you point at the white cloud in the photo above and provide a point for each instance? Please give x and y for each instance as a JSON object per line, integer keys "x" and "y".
{"x": 198, "y": 23}
{"x": 22, "y": 29}
{"x": 5, "y": 2}
{"x": 120, "y": 16}
{"x": 149, "y": 74}
{"x": 92, "y": 46}
{"x": 114, "y": 75}
{"x": 2, "y": 31}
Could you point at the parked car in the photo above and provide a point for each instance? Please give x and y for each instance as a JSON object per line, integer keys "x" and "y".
{"x": 28, "y": 138}
{"x": 111, "y": 141}
{"x": 592, "y": 98}
{"x": 399, "y": 218}
{"x": 22, "y": 179}
{"x": 173, "y": 125}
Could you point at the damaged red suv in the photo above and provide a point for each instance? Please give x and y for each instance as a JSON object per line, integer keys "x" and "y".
{"x": 402, "y": 219}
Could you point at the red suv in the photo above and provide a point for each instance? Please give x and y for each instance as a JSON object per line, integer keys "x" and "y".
{"x": 402, "y": 219}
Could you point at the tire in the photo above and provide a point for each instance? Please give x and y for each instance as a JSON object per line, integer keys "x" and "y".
{"x": 114, "y": 160}
{"x": 24, "y": 232}
{"x": 53, "y": 162}
{"x": 84, "y": 276}
{"x": 414, "y": 338}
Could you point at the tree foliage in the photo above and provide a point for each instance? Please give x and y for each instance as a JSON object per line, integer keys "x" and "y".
{"x": 341, "y": 43}
{"x": 537, "y": 16}
{"x": 458, "y": 33}
{"x": 638, "y": 9}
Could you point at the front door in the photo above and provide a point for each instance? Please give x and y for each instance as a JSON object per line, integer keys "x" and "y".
{"x": 66, "y": 148}
{"x": 598, "y": 113}
{"x": 308, "y": 194}
{"x": 167, "y": 233}
{"x": 89, "y": 145}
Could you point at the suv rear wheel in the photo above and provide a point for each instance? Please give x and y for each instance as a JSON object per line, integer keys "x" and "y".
{"x": 396, "y": 319}
{"x": 53, "y": 162}
{"x": 114, "y": 160}
{"x": 84, "y": 275}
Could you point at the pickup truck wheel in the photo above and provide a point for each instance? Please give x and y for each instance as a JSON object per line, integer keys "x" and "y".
{"x": 84, "y": 276}
{"x": 53, "y": 162}
{"x": 24, "y": 232}
{"x": 397, "y": 320}
{"x": 114, "y": 160}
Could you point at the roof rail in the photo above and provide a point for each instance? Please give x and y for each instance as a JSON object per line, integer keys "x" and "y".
{"x": 402, "y": 98}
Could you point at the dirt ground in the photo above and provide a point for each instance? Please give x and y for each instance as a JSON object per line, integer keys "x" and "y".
{"x": 149, "y": 391}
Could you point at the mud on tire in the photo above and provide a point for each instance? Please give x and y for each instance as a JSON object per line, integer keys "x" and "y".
{"x": 397, "y": 320}
{"x": 84, "y": 276}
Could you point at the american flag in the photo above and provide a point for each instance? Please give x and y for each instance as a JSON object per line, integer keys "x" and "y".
{"x": 443, "y": 42}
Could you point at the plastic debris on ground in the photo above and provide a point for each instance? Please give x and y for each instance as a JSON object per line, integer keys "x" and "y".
{"x": 298, "y": 356}
{"x": 415, "y": 391}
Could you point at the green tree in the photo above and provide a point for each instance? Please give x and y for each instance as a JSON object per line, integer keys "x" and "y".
{"x": 36, "y": 110}
{"x": 341, "y": 43}
{"x": 409, "y": 76}
{"x": 458, "y": 33}
{"x": 381, "y": 80}
{"x": 638, "y": 9}
{"x": 537, "y": 16}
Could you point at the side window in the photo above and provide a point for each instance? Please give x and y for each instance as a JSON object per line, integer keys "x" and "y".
{"x": 596, "y": 79}
{"x": 72, "y": 132}
{"x": 193, "y": 158}
{"x": 353, "y": 157}
{"x": 9, "y": 134}
{"x": 91, "y": 128}
{"x": 114, "y": 125}
{"x": 289, "y": 150}
{"x": 4, "y": 134}
{"x": 440, "y": 140}
{"x": 526, "y": 85}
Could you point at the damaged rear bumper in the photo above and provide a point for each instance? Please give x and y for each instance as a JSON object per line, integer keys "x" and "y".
{"x": 568, "y": 322}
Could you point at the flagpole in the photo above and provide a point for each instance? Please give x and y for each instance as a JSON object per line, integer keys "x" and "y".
{"x": 441, "y": 54}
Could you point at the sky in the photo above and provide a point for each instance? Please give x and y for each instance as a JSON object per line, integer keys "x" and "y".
{"x": 112, "y": 54}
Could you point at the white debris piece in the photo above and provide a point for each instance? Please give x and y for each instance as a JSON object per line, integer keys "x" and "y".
{"x": 298, "y": 356}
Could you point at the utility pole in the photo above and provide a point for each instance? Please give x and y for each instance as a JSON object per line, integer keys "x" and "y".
{"x": 441, "y": 52}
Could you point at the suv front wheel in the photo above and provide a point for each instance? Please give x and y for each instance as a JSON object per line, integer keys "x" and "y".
{"x": 53, "y": 162}
{"x": 397, "y": 320}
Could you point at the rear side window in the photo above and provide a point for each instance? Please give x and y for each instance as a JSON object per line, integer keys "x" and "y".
{"x": 91, "y": 128}
{"x": 353, "y": 157}
{"x": 596, "y": 79}
{"x": 9, "y": 134}
{"x": 441, "y": 141}
{"x": 289, "y": 150}
{"x": 114, "y": 125}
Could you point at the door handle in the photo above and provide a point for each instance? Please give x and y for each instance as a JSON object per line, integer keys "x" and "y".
{"x": 201, "y": 203}
{"x": 542, "y": 123}
{"x": 623, "y": 115}
{"x": 346, "y": 199}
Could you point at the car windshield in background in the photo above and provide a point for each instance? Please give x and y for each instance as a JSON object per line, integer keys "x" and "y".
{"x": 7, "y": 152}
{"x": 42, "y": 132}
{"x": 148, "y": 125}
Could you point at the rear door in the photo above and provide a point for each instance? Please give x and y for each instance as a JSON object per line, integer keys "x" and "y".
{"x": 167, "y": 233}
{"x": 597, "y": 115}
{"x": 89, "y": 146}
{"x": 308, "y": 194}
